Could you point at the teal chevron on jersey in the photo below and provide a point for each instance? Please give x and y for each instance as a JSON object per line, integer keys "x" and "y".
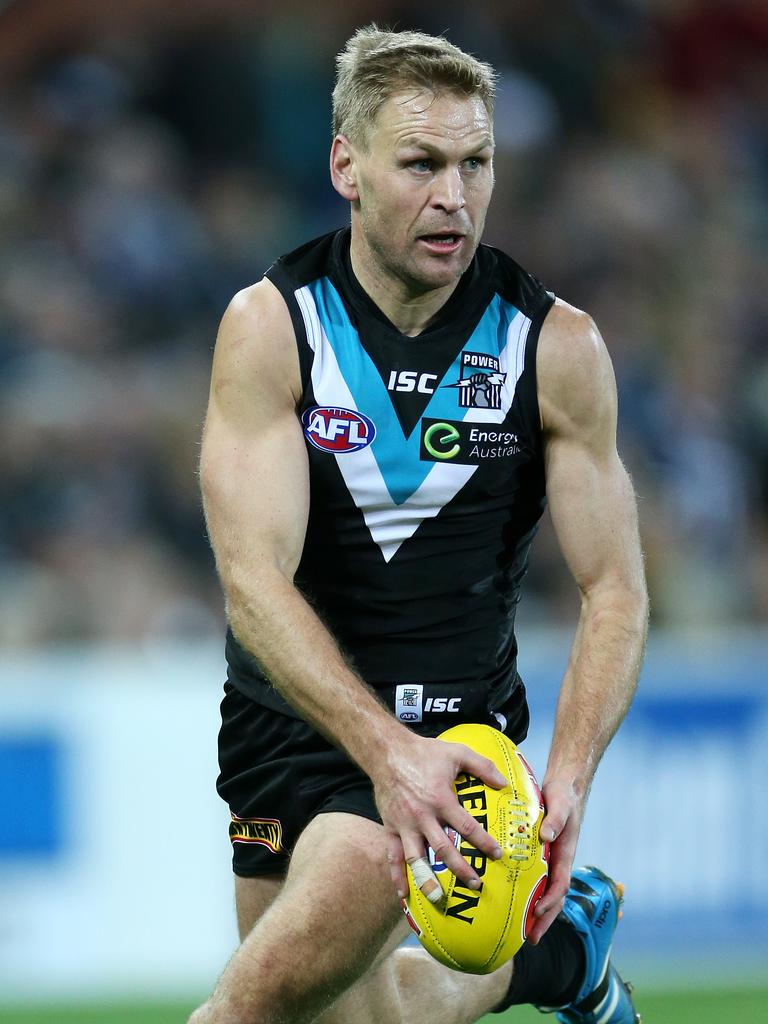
{"x": 397, "y": 456}
{"x": 369, "y": 393}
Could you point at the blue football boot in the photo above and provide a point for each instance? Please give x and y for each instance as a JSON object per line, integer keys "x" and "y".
{"x": 592, "y": 907}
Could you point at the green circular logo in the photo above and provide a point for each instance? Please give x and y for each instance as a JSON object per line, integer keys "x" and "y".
{"x": 441, "y": 434}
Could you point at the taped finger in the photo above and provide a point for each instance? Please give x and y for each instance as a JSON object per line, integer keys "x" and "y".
{"x": 425, "y": 879}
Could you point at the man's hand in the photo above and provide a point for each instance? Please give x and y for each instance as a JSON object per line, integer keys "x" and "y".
{"x": 415, "y": 797}
{"x": 560, "y": 827}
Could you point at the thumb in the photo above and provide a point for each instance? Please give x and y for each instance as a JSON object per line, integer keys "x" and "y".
{"x": 551, "y": 827}
{"x": 547, "y": 833}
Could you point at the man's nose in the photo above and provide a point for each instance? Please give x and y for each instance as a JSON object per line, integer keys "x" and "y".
{"x": 448, "y": 191}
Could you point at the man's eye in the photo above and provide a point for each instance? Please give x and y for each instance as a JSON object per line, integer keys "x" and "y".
{"x": 422, "y": 165}
{"x": 473, "y": 162}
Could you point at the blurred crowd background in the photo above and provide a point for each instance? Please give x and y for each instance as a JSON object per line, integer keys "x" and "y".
{"x": 157, "y": 157}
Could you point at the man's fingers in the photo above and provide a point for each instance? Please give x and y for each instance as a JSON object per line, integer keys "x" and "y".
{"x": 473, "y": 833}
{"x": 396, "y": 861}
{"x": 542, "y": 924}
{"x": 424, "y": 877}
{"x": 551, "y": 903}
{"x": 481, "y": 767}
{"x": 554, "y": 895}
{"x": 426, "y": 880}
{"x": 409, "y": 845}
{"x": 446, "y": 852}
{"x": 560, "y": 827}
{"x": 560, "y": 863}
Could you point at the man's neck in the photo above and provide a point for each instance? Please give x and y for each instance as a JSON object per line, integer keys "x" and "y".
{"x": 410, "y": 312}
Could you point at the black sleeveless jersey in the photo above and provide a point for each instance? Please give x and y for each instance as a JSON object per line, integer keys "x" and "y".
{"x": 426, "y": 482}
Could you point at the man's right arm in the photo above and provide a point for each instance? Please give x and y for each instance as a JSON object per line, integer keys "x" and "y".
{"x": 255, "y": 483}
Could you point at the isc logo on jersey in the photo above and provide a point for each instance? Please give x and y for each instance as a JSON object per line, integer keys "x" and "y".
{"x": 411, "y": 380}
{"x": 337, "y": 430}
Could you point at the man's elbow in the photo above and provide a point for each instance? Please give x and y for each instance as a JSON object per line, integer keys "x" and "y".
{"x": 622, "y": 600}
{"x": 637, "y": 609}
{"x": 250, "y": 593}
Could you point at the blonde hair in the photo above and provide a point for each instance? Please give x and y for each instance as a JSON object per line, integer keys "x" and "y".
{"x": 375, "y": 63}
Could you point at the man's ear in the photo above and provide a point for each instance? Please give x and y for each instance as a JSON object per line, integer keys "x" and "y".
{"x": 343, "y": 169}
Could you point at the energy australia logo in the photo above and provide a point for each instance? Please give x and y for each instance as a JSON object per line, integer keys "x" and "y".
{"x": 466, "y": 444}
{"x": 480, "y": 381}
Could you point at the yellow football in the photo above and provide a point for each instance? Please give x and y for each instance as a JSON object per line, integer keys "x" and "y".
{"x": 477, "y": 931}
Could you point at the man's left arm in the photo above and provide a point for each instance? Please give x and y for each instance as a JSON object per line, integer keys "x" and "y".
{"x": 593, "y": 509}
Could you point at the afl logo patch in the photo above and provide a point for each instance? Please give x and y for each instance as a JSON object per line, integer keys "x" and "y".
{"x": 335, "y": 430}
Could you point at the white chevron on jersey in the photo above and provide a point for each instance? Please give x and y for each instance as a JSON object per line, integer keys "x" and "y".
{"x": 391, "y": 524}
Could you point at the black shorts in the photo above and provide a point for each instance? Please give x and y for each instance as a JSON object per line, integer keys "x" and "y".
{"x": 277, "y": 773}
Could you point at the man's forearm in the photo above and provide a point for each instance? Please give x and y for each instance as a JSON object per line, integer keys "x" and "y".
{"x": 298, "y": 654}
{"x": 599, "y": 683}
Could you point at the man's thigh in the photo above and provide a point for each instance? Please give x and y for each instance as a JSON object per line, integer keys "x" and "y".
{"x": 253, "y": 896}
{"x": 334, "y": 918}
{"x": 349, "y": 854}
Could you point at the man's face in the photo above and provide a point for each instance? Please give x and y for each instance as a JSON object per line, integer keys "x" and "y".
{"x": 424, "y": 185}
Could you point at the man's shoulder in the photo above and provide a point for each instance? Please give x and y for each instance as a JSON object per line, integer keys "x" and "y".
{"x": 258, "y": 308}
{"x": 574, "y": 372}
{"x": 306, "y": 263}
{"x": 267, "y": 308}
{"x": 570, "y": 338}
{"x": 513, "y": 282}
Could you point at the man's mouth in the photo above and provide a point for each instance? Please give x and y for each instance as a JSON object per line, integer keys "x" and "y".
{"x": 442, "y": 242}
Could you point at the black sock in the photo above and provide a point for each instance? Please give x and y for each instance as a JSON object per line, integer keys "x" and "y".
{"x": 549, "y": 974}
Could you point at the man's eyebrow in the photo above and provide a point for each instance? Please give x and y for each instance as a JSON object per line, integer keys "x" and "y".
{"x": 428, "y": 147}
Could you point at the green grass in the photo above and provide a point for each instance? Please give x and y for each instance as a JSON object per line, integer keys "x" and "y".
{"x": 739, "y": 1006}
{"x": 115, "y": 1013}
{"x": 119, "y": 1013}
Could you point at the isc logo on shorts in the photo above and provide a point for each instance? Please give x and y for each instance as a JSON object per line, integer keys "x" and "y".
{"x": 410, "y": 705}
{"x": 337, "y": 430}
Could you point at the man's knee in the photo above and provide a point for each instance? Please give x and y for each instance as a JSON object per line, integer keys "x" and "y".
{"x": 226, "y": 1011}
{"x": 200, "y": 1015}
{"x": 319, "y": 934}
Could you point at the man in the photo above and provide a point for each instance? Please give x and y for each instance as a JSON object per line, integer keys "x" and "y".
{"x": 388, "y": 408}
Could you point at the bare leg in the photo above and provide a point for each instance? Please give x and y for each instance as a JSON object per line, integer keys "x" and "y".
{"x": 319, "y": 947}
{"x": 404, "y": 984}
{"x": 433, "y": 994}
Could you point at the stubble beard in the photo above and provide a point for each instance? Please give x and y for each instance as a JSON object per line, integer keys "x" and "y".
{"x": 406, "y": 268}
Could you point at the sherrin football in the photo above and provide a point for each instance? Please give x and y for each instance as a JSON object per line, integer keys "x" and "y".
{"x": 477, "y": 931}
